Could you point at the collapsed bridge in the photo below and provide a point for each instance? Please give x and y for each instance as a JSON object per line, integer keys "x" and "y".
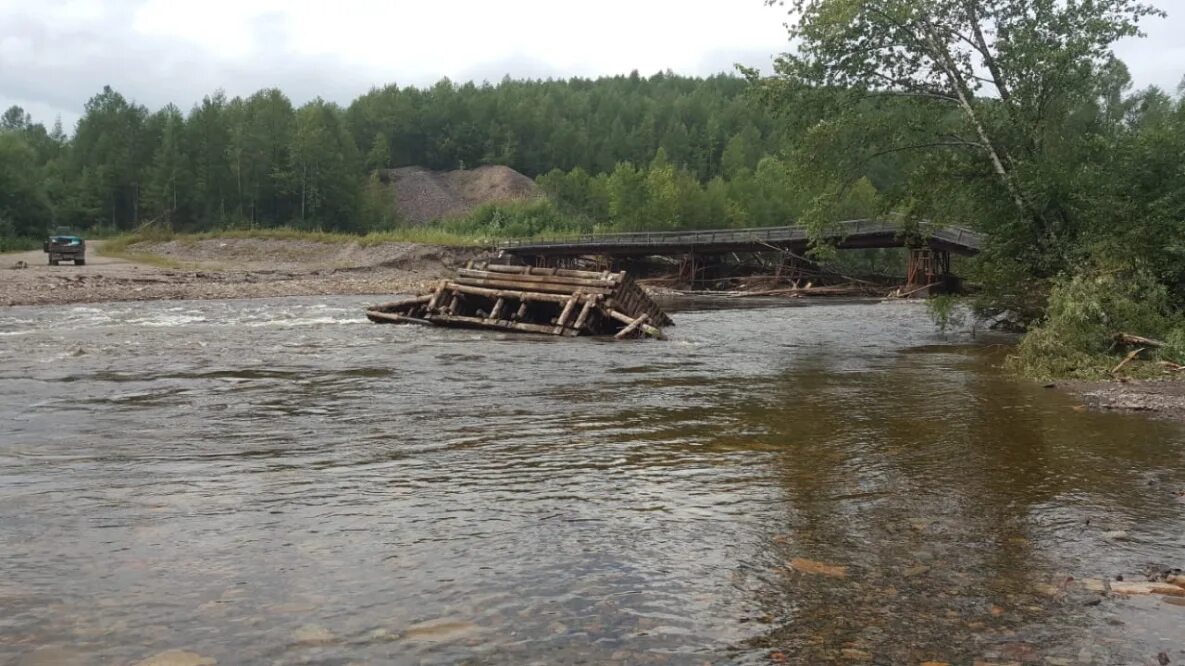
{"x": 931, "y": 246}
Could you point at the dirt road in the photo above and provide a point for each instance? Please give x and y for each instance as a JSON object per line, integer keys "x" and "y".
{"x": 39, "y": 263}
{"x": 226, "y": 268}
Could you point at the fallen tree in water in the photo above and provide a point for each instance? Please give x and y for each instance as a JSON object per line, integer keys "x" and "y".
{"x": 525, "y": 299}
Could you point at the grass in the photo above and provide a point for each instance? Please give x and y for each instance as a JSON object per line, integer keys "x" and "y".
{"x": 18, "y": 244}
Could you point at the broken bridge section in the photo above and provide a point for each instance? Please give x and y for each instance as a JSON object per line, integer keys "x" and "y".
{"x": 931, "y": 246}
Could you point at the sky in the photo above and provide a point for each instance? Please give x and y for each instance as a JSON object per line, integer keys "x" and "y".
{"x": 56, "y": 54}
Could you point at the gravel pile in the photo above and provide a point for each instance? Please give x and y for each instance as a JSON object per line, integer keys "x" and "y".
{"x": 423, "y": 196}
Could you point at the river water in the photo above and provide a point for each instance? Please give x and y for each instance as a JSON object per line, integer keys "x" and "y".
{"x": 279, "y": 481}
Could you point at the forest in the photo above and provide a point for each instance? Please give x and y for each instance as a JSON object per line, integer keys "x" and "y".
{"x": 262, "y": 162}
{"x": 1012, "y": 117}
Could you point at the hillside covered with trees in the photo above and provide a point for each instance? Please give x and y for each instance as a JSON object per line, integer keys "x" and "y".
{"x": 261, "y": 162}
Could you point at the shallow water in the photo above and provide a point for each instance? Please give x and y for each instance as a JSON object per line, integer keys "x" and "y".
{"x": 279, "y": 481}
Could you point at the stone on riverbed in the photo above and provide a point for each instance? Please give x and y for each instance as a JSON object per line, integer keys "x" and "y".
{"x": 812, "y": 567}
{"x": 1137, "y": 588}
{"x": 177, "y": 658}
{"x": 439, "y": 631}
{"x": 313, "y": 634}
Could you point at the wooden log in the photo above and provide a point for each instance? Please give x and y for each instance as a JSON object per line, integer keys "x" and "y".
{"x": 399, "y": 305}
{"x": 547, "y": 287}
{"x": 1131, "y": 355}
{"x": 1129, "y": 339}
{"x": 631, "y": 327}
{"x": 596, "y": 281}
{"x": 509, "y": 293}
{"x": 559, "y": 272}
{"x": 482, "y": 322}
{"x": 434, "y": 302}
{"x": 388, "y": 318}
{"x": 913, "y": 291}
{"x": 522, "y": 311}
{"x": 626, "y": 319}
{"x": 802, "y": 291}
{"x": 497, "y": 311}
{"x": 582, "y": 319}
{"x": 567, "y": 311}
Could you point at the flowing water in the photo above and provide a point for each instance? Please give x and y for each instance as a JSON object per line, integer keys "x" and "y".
{"x": 278, "y": 481}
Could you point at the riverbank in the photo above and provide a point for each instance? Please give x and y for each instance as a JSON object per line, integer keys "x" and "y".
{"x": 1164, "y": 399}
{"x": 226, "y": 267}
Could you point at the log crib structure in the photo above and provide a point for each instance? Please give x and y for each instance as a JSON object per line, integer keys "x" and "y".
{"x": 528, "y": 299}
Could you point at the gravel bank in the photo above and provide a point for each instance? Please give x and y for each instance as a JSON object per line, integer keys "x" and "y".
{"x": 1162, "y": 399}
{"x": 229, "y": 268}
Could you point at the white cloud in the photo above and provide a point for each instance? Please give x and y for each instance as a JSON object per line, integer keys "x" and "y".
{"x": 55, "y": 54}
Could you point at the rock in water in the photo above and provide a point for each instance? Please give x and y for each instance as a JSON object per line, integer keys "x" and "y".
{"x": 313, "y": 634}
{"x": 821, "y": 568}
{"x": 1168, "y": 589}
{"x": 177, "y": 658}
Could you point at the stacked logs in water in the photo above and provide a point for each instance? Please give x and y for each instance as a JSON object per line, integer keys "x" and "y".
{"x": 533, "y": 300}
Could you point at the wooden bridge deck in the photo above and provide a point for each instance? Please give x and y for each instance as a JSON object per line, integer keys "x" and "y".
{"x": 853, "y": 234}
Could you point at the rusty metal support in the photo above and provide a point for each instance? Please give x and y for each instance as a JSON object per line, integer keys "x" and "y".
{"x": 927, "y": 266}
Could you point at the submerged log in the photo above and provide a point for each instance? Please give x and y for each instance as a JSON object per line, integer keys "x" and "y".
{"x": 533, "y": 300}
{"x": 631, "y": 327}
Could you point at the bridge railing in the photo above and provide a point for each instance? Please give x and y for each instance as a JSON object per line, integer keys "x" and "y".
{"x": 954, "y": 235}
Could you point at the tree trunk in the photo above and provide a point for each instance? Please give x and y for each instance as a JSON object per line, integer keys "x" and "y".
{"x": 963, "y": 94}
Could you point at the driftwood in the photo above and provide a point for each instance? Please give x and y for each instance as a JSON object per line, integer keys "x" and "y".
{"x": 1130, "y": 340}
{"x": 899, "y": 294}
{"x": 533, "y": 300}
{"x": 808, "y": 290}
{"x": 1128, "y": 359}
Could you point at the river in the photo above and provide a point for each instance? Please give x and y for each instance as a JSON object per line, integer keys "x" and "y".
{"x": 279, "y": 481}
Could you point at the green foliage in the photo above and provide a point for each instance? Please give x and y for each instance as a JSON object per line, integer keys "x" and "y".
{"x": 1016, "y": 121}
{"x": 662, "y": 196}
{"x": 517, "y": 219}
{"x": 258, "y": 162}
{"x": 947, "y": 312}
{"x": 1085, "y": 312}
{"x": 24, "y": 208}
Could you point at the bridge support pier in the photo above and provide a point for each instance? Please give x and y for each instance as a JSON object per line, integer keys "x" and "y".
{"x": 699, "y": 269}
{"x": 928, "y": 271}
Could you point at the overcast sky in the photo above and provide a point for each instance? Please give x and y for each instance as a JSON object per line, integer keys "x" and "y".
{"x": 55, "y": 54}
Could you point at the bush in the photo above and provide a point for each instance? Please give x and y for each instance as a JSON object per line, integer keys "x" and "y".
{"x": 517, "y": 219}
{"x": 1085, "y": 311}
